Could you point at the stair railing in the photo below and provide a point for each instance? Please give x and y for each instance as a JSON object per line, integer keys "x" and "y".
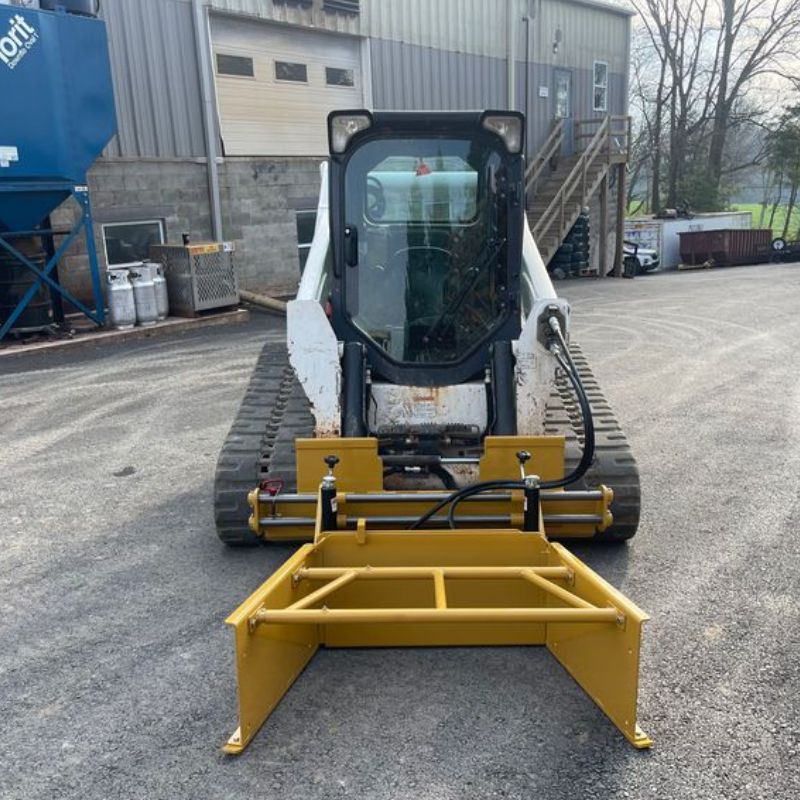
{"x": 577, "y": 179}
{"x": 549, "y": 150}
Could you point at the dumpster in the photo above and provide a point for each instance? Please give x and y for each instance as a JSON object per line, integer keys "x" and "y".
{"x": 725, "y": 248}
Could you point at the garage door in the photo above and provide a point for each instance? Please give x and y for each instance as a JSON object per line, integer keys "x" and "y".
{"x": 276, "y": 85}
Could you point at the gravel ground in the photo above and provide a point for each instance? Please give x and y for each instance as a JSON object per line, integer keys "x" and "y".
{"x": 116, "y": 671}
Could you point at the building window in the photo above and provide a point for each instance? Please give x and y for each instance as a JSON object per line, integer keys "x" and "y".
{"x": 288, "y": 71}
{"x": 339, "y": 77}
{"x": 341, "y": 6}
{"x": 306, "y": 222}
{"x": 234, "y": 65}
{"x": 128, "y": 242}
{"x": 600, "y": 87}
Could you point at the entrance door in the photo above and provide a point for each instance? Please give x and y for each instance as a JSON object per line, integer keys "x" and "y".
{"x": 562, "y": 105}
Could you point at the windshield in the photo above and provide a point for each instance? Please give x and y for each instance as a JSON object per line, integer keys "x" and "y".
{"x": 430, "y": 236}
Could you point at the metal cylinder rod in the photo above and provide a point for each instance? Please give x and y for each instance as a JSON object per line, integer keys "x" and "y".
{"x": 385, "y": 573}
{"x": 478, "y": 519}
{"x": 324, "y": 591}
{"x": 555, "y": 590}
{"x": 332, "y": 616}
{"x": 400, "y": 519}
{"x": 425, "y": 460}
{"x": 430, "y": 497}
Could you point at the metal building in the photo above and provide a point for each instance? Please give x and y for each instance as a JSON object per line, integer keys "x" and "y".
{"x": 221, "y": 107}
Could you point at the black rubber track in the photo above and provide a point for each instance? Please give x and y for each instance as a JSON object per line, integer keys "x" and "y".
{"x": 274, "y": 412}
{"x": 614, "y": 465}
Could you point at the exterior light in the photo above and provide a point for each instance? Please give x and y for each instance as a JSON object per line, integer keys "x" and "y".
{"x": 343, "y": 125}
{"x": 508, "y": 127}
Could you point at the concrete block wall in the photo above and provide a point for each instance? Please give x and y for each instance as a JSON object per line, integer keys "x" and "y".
{"x": 259, "y": 199}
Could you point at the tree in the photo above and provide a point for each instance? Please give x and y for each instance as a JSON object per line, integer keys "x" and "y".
{"x": 712, "y": 58}
{"x": 756, "y": 39}
{"x": 783, "y": 160}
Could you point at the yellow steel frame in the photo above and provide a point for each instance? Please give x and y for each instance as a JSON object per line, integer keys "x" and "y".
{"x": 397, "y": 587}
{"x": 361, "y": 470}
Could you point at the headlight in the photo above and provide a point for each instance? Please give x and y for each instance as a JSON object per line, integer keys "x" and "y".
{"x": 344, "y": 125}
{"x": 508, "y": 127}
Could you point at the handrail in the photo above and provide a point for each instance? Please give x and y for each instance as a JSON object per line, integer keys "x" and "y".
{"x": 552, "y": 146}
{"x": 567, "y": 189}
{"x": 619, "y": 132}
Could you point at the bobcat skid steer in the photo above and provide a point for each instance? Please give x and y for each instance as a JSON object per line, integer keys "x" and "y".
{"x": 433, "y": 431}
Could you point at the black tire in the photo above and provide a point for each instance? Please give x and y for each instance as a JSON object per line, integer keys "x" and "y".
{"x": 630, "y": 267}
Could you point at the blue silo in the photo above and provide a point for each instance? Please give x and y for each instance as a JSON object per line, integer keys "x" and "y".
{"x": 57, "y": 115}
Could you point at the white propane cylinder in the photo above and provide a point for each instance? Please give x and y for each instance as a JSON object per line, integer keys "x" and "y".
{"x": 144, "y": 293}
{"x": 121, "y": 306}
{"x": 160, "y": 283}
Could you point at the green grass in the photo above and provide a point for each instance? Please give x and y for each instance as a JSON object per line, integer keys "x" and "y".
{"x": 777, "y": 223}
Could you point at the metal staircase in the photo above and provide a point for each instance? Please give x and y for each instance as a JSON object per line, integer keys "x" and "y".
{"x": 557, "y": 187}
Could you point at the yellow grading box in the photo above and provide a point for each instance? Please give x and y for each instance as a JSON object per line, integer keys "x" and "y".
{"x": 367, "y": 580}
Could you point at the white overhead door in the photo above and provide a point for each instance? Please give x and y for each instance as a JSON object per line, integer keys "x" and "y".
{"x": 276, "y": 85}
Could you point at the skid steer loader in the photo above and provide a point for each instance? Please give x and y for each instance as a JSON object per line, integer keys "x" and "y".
{"x": 433, "y": 431}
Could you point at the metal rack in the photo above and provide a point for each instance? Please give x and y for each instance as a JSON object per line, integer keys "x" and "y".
{"x": 44, "y": 276}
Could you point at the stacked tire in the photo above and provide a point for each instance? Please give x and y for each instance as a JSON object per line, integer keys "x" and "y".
{"x": 573, "y": 256}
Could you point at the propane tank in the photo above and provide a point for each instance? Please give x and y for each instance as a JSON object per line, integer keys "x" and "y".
{"x": 121, "y": 306}
{"x": 160, "y": 283}
{"x": 144, "y": 293}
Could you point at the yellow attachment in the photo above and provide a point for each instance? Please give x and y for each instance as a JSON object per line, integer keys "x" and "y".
{"x": 366, "y": 584}
{"x": 360, "y": 472}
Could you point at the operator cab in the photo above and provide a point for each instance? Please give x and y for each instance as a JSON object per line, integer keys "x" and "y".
{"x": 426, "y": 225}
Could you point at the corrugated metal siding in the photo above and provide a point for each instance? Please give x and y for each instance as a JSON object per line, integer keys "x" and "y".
{"x": 409, "y": 77}
{"x": 464, "y": 26}
{"x": 156, "y": 79}
{"x": 469, "y": 26}
{"x": 313, "y": 17}
{"x": 588, "y": 34}
{"x": 425, "y": 54}
{"x": 541, "y": 109}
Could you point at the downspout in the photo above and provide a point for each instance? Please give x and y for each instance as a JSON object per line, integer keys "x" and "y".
{"x": 202, "y": 44}
{"x": 511, "y": 36}
{"x": 527, "y": 19}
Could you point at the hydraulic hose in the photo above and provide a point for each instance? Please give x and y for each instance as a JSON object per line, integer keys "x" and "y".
{"x": 562, "y": 355}
{"x": 558, "y": 347}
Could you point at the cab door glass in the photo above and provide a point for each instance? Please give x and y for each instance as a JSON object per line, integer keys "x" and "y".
{"x": 431, "y": 220}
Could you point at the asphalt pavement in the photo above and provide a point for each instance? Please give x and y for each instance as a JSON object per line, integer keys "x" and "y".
{"x": 116, "y": 670}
